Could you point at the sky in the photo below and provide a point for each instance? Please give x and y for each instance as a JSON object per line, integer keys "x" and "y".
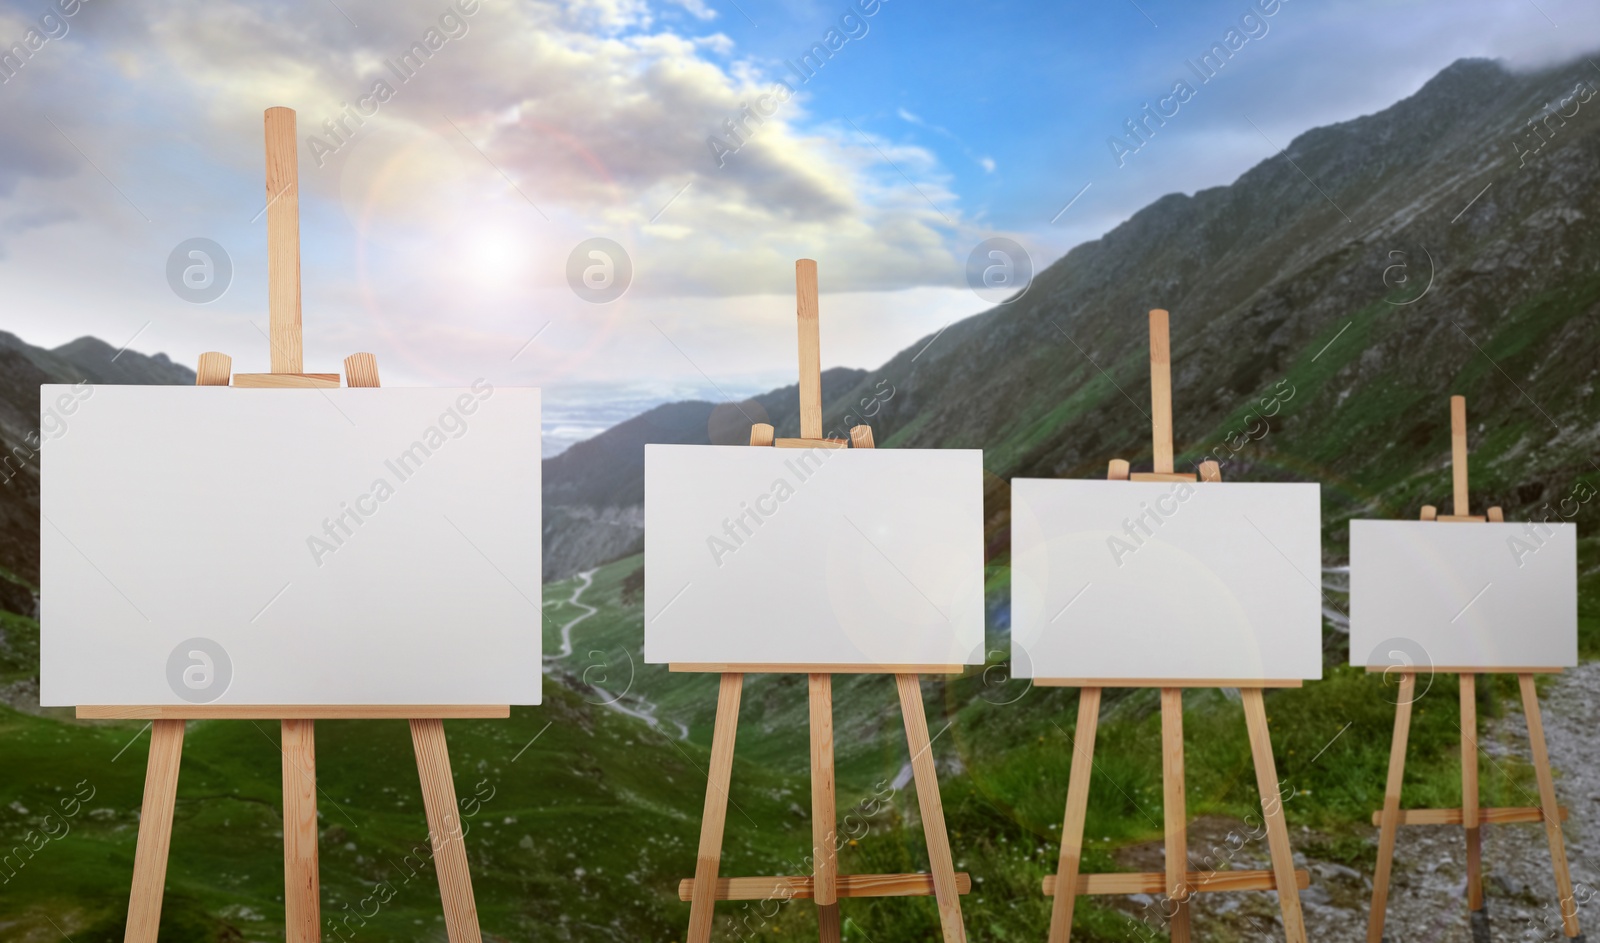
{"x": 446, "y": 226}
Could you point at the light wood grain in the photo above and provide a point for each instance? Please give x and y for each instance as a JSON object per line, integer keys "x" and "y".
{"x": 1487, "y": 815}
{"x": 1430, "y": 513}
{"x": 1210, "y": 471}
{"x": 1161, "y": 391}
{"x": 445, "y": 831}
{"x": 1477, "y": 669}
{"x": 361, "y": 370}
{"x": 1255, "y": 715}
{"x": 825, "y": 859}
{"x": 761, "y": 433}
{"x": 1458, "y": 455}
{"x": 811, "y": 443}
{"x": 807, "y": 314}
{"x": 828, "y": 927}
{"x": 213, "y": 369}
{"x": 279, "y": 711}
{"x": 1175, "y": 818}
{"x": 1117, "y": 470}
{"x": 799, "y": 887}
{"x": 1161, "y": 476}
{"x": 1389, "y": 818}
{"x": 1168, "y": 682}
{"x": 1496, "y": 515}
{"x": 806, "y": 668}
{"x": 155, "y": 831}
{"x": 940, "y": 862}
{"x": 1071, "y": 856}
{"x": 1460, "y": 518}
{"x": 714, "y": 816}
{"x": 286, "y": 381}
{"x": 302, "y": 895}
{"x": 1155, "y": 882}
{"x": 861, "y": 437}
{"x": 1469, "y": 790}
{"x": 283, "y": 240}
{"x": 1547, "y": 802}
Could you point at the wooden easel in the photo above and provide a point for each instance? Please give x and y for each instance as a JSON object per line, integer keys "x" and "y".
{"x": 825, "y": 885}
{"x": 1469, "y": 816}
{"x": 301, "y": 899}
{"x": 1177, "y": 882}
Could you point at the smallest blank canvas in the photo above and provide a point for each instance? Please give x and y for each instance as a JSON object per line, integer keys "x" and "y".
{"x": 1122, "y": 581}
{"x": 1463, "y": 595}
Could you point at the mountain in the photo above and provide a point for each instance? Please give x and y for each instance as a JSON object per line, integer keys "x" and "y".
{"x": 1324, "y": 306}
{"x": 1299, "y": 353}
{"x": 22, "y": 368}
{"x": 594, "y": 491}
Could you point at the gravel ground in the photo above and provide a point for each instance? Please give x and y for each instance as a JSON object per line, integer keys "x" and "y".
{"x": 1427, "y": 898}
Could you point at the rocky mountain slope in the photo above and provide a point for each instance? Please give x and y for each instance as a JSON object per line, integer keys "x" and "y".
{"x": 22, "y": 368}
{"x": 1324, "y": 307}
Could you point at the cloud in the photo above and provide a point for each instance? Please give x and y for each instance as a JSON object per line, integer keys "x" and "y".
{"x": 597, "y": 115}
{"x": 697, "y": 9}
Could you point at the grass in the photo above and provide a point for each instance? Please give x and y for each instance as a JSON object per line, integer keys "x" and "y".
{"x": 582, "y": 817}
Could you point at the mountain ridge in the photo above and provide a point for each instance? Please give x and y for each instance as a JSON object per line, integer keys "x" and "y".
{"x": 1289, "y": 275}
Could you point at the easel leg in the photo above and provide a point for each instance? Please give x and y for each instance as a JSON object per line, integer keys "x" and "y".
{"x": 824, "y": 810}
{"x": 1176, "y": 819}
{"x": 445, "y": 831}
{"x": 155, "y": 831}
{"x": 1469, "y": 790}
{"x": 1390, "y": 820}
{"x": 302, "y": 902}
{"x": 704, "y": 896}
{"x": 1072, "y": 823}
{"x": 1255, "y": 715}
{"x": 940, "y": 863}
{"x": 1548, "y": 805}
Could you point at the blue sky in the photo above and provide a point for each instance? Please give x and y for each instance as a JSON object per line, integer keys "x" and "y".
{"x": 438, "y": 235}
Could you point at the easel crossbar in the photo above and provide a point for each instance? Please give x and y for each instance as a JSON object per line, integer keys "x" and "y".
{"x": 1195, "y": 882}
{"x": 1508, "y": 815}
{"x": 803, "y": 887}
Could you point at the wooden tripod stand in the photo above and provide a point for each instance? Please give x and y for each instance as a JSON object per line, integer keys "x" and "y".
{"x": 1178, "y": 883}
{"x": 825, "y": 885}
{"x": 302, "y": 903}
{"x": 1469, "y": 816}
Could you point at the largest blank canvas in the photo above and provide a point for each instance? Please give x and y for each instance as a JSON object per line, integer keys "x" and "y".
{"x": 348, "y": 546}
{"x": 1463, "y": 595}
{"x": 1120, "y": 580}
{"x": 774, "y": 556}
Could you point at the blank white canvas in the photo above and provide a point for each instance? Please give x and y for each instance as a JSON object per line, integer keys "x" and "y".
{"x": 175, "y": 513}
{"x": 824, "y": 556}
{"x": 1468, "y": 595}
{"x": 1218, "y": 581}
